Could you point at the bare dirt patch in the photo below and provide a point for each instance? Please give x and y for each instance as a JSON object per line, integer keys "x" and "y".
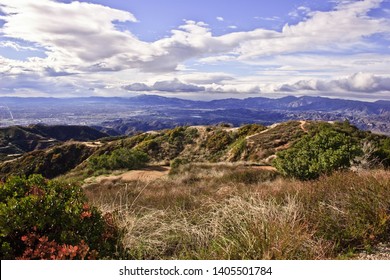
{"x": 265, "y": 167}
{"x": 145, "y": 175}
{"x": 92, "y": 144}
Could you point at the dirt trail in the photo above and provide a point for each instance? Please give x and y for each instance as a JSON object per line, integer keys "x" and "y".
{"x": 265, "y": 167}
{"x": 303, "y": 126}
{"x": 261, "y": 132}
{"x": 145, "y": 175}
{"x": 92, "y": 144}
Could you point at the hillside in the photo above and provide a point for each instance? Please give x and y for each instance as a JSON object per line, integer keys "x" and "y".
{"x": 50, "y": 162}
{"x": 249, "y": 145}
{"x": 17, "y": 140}
{"x": 68, "y": 132}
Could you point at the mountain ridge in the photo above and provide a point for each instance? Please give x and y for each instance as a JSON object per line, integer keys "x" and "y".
{"x": 251, "y": 144}
{"x": 151, "y": 112}
{"x": 17, "y": 140}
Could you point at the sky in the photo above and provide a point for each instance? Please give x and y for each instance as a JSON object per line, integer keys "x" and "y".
{"x": 203, "y": 49}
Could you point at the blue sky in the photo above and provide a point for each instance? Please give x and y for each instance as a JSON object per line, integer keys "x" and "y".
{"x": 195, "y": 49}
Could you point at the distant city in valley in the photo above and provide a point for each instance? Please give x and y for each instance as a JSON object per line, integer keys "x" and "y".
{"x": 117, "y": 116}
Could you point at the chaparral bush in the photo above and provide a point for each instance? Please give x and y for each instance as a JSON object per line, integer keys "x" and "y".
{"x": 42, "y": 219}
{"x": 314, "y": 155}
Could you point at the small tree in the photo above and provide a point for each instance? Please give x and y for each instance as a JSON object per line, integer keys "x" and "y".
{"x": 121, "y": 158}
{"x": 313, "y": 155}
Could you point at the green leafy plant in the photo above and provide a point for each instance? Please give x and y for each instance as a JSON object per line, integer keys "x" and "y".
{"x": 41, "y": 219}
{"x": 383, "y": 152}
{"x": 219, "y": 141}
{"x": 121, "y": 158}
{"x": 321, "y": 153}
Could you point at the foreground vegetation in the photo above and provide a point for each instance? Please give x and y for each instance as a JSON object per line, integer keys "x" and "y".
{"x": 219, "y": 201}
{"x": 216, "y": 213}
{"x": 41, "y": 219}
{"x": 205, "y": 212}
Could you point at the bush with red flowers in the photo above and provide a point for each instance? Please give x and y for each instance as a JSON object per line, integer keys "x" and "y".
{"x": 42, "y": 219}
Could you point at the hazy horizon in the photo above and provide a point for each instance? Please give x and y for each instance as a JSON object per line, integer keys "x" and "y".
{"x": 204, "y": 98}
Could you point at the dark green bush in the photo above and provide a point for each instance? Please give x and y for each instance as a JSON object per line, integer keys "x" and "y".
{"x": 219, "y": 141}
{"x": 41, "y": 219}
{"x": 322, "y": 153}
{"x": 176, "y": 135}
{"x": 121, "y": 158}
{"x": 383, "y": 152}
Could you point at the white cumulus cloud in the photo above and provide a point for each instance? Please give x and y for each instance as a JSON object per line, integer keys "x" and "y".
{"x": 166, "y": 86}
{"x": 358, "y": 82}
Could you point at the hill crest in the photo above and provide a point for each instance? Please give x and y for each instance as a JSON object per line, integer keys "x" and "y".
{"x": 252, "y": 144}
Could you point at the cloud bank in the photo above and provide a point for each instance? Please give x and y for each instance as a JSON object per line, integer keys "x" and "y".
{"x": 358, "y": 82}
{"x": 165, "y": 86}
{"x": 79, "y": 39}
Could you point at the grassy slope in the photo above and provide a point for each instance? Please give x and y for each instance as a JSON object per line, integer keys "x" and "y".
{"x": 230, "y": 212}
{"x": 251, "y": 144}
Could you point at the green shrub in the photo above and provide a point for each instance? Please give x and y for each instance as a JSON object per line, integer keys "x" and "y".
{"x": 323, "y": 153}
{"x": 41, "y": 219}
{"x": 383, "y": 152}
{"x": 190, "y": 134}
{"x": 176, "y": 135}
{"x": 250, "y": 129}
{"x": 121, "y": 158}
{"x": 219, "y": 141}
{"x": 238, "y": 148}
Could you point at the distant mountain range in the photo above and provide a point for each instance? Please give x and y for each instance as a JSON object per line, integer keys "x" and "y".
{"x": 115, "y": 115}
{"x": 374, "y": 116}
{"x": 304, "y": 103}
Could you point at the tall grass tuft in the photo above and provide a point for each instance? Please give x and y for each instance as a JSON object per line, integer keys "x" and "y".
{"x": 213, "y": 213}
{"x": 352, "y": 210}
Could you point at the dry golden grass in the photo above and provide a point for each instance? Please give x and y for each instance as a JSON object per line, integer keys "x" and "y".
{"x": 214, "y": 212}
